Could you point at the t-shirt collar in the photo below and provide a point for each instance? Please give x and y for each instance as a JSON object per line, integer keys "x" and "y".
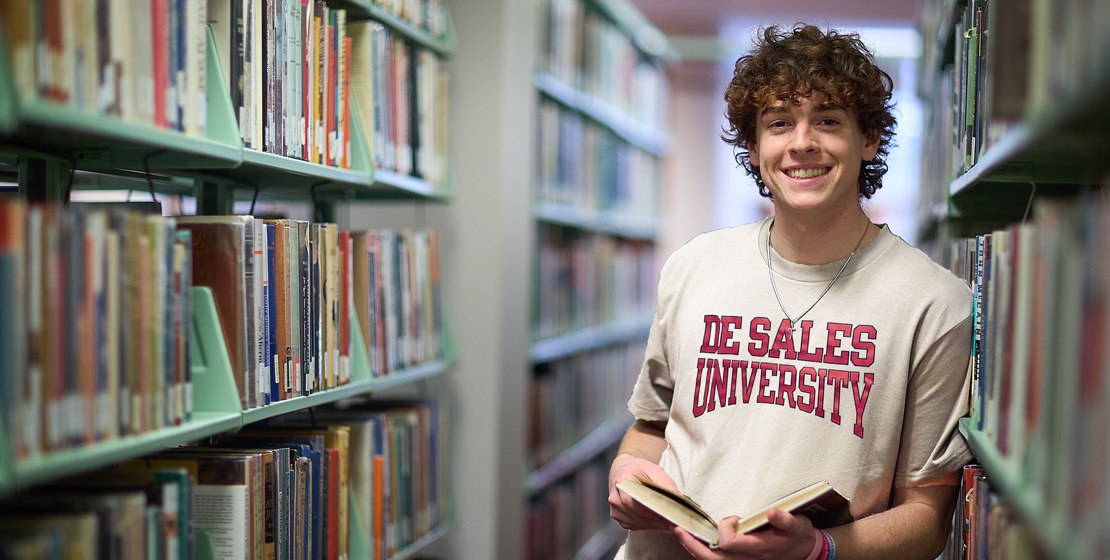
{"x": 822, "y": 272}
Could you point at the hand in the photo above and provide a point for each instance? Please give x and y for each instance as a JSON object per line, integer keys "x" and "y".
{"x": 790, "y": 537}
{"x": 628, "y": 512}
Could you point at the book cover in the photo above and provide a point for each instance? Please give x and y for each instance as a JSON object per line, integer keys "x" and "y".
{"x": 219, "y": 264}
{"x": 270, "y": 389}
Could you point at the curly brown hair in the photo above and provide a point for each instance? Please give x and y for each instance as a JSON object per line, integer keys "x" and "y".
{"x": 790, "y": 64}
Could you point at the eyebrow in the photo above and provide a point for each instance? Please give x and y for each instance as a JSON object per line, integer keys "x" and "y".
{"x": 779, "y": 109}
{"x": 775, "y": 110}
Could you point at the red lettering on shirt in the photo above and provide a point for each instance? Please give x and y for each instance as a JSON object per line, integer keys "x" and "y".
{"x": 716, "y": 385}
{"x": 866, "y": 346}
{"x": 735, "y": 367}
{"x": 711, "y": 339}
{"x": 837, "y": 379}
{"x": 759, "y": 330}
{"x": 765, "y": 371}
{"x": 831, "y": 356}
{"x": 784, "y": 341}
{"x": 860, "y": 398}
{"x": 820, "y": 410}
{"x": 806, "y": 389}
{"x": 803, "y": 353}
{"x": 727, "y": 324}
{"x": 787, "y": 384}
{"x": 699, "y": 409}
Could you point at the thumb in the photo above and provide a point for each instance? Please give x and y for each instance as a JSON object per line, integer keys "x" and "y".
{"x": 781, "y": 520}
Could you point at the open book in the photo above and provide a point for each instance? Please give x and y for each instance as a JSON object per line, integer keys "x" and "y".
{"x": 820, "y": 502}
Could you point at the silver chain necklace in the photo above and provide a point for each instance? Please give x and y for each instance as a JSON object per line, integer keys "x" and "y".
{"x": 771, "y": 274}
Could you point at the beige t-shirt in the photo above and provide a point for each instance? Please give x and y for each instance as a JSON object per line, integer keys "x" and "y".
{"x": 866, "y": 393}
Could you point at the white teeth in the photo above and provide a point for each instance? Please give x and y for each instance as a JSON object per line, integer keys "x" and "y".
{"x": 807, "y": 173}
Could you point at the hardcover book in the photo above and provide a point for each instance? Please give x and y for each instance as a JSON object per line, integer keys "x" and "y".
{"x": 820, "y": 502}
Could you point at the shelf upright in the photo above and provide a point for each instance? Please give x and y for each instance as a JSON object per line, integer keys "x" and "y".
{"x": 575, "y": 206}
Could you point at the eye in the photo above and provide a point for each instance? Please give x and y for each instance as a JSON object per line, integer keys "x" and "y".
{"x": 829, "y": 121}
{"x": 777, "y": 125}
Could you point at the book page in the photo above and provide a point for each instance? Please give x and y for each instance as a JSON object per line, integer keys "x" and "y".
{"x": 223, "y": 512}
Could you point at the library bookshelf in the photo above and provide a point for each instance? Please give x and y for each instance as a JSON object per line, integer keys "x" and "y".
{"x": 1018, "y": 155}
{"x": 51, "y": 141}
{"x": 600, "y": 142}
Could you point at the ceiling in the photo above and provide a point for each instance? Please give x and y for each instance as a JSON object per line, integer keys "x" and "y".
{"x": 706, "y": 17}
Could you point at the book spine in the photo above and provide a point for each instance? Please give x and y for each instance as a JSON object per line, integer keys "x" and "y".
{"x": 272, "y": 391}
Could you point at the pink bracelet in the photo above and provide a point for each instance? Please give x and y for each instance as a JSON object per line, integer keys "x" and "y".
{"x": 820, "y": 546}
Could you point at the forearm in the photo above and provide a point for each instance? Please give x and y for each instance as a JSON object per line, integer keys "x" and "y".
{"x": 645, "y": 440}
{"x": 915, "y": 528}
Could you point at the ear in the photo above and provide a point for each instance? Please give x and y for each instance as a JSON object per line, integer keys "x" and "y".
{"x": 753, "y": 153}
{"x": 871, "y": 145}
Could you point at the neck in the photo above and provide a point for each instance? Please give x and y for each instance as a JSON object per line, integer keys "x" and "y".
{"x": 821, "y": 241}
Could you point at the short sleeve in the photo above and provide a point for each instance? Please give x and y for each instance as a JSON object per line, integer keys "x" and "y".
{"x": 937, "y": 397}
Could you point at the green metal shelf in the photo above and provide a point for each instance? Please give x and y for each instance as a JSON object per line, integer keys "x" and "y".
{"x": 107, "y": 141}
{"x": 628, "y": 329}
{"x": 647, "y": 138}
{"x": 443, "y": 46}
{"x": 217, "y": 406}
{"x": 1006, "y": 478}
{"x": 71, "y": 461}
{"x": 608, "y": 434}
{"x": 390, "y": 183}
{"x": 614, "y": 223}
{"x": 1059, "y": 151}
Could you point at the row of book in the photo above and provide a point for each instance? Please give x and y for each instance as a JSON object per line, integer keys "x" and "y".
{"x": 583, "y": 164}
{"x": 97, "y": 307}
{"x": 985, "y": 526}
{"x": 142, "y": 60}
{"x": 1041, "y": 378}
{"x": 583, "y": 48}
{"x": 286, "y": 64}
{"x": 563, "y": 518}
{"x": 94, "y": 325}
{"x": 292, "y": 69}
{"x": 287, "y": 291}
{"x": 586, "y": 279}
{"x": 401, "y": 91}
{"x": 1013, "y": 63}
{"x": 573, "y": 396}
{"x": 295, "y": 491}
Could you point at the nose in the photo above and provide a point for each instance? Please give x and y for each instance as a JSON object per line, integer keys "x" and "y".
{"x": 803, "y": 138}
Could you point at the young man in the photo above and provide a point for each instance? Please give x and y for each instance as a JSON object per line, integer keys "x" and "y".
{"x": 814, "y": 345}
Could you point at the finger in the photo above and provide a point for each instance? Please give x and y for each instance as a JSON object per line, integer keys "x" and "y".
{"x": 694, "y": 546}
{"x": 780, "y": 519}
{"x": 726, "y": 529}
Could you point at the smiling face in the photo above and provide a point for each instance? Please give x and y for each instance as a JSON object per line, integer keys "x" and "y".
{"x": 809, "y": 154}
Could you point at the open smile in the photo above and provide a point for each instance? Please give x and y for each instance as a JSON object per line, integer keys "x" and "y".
{"x": 806, "y": 173}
